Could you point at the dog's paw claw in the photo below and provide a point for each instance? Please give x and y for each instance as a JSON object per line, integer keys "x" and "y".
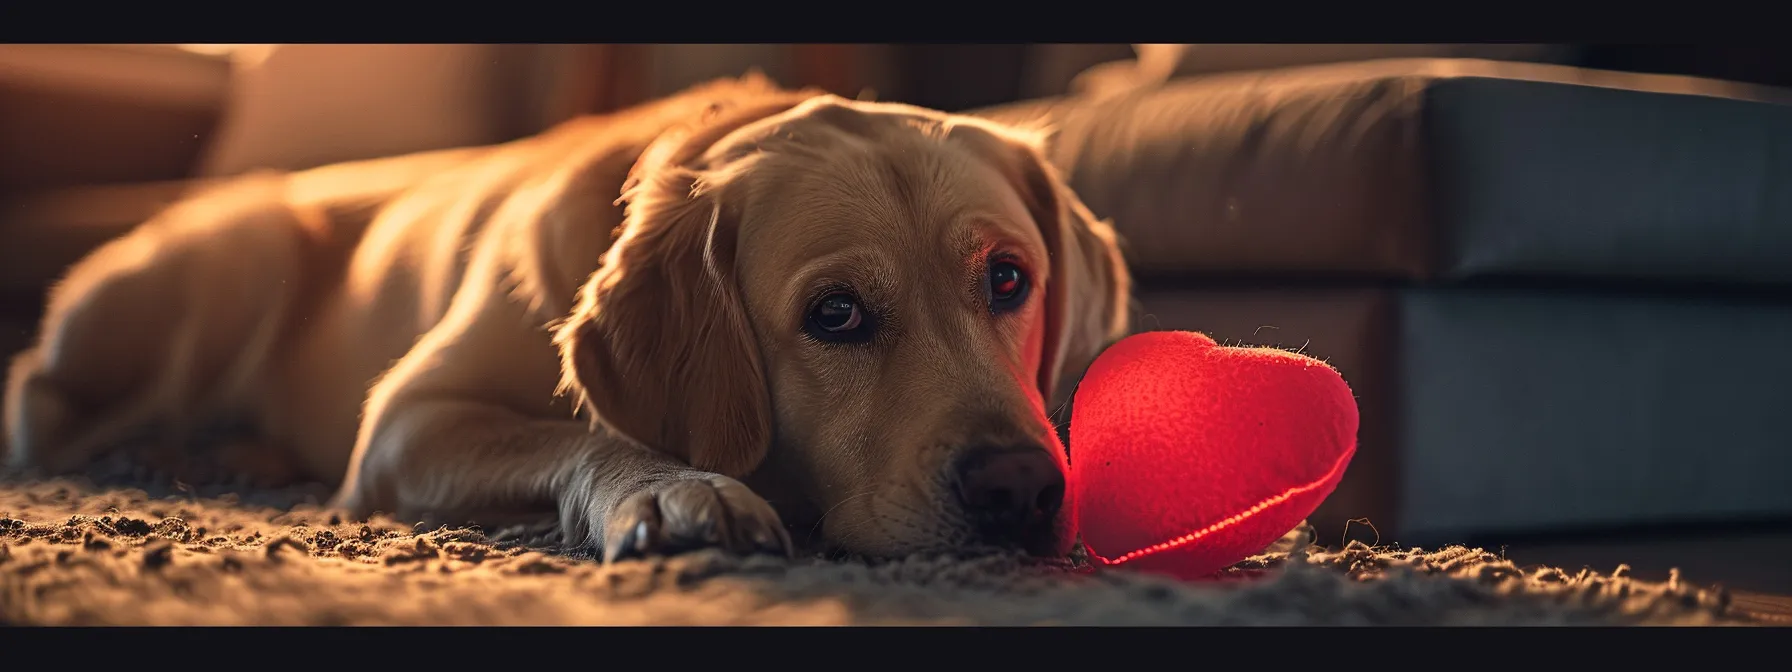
{"x": 693, "y": 513}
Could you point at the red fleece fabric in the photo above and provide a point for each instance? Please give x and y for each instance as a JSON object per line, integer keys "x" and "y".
{"x": 1187, "y": 456}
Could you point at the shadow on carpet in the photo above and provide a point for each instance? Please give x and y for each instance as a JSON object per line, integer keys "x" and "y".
{"x": 76, "y": 553}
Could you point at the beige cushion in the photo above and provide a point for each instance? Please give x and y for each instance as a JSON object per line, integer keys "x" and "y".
{"x": 307, "y": 105}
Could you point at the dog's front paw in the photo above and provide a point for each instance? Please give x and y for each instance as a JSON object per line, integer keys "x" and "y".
{"x": 686, "y": 514}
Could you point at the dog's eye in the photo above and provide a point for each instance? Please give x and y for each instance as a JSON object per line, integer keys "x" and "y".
{"x": 838, "y": 318}
{"x": 1007, "y": 287}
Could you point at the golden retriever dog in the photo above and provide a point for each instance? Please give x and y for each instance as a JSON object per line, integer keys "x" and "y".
{"x": 806, "y": 314}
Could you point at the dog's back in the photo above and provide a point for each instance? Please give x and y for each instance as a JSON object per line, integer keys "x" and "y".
{"x": 277, "y": 299}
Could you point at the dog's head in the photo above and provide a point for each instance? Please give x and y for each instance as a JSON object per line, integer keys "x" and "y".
{"x": 866, "y": 306}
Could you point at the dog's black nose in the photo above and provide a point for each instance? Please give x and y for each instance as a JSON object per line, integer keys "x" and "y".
{"x": 1010, "y": 494}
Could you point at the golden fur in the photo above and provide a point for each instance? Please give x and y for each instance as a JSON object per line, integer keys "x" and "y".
{"x": 457, "y": 335}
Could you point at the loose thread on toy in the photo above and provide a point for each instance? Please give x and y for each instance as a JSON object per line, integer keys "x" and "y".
{"x": 1235, "y": 519}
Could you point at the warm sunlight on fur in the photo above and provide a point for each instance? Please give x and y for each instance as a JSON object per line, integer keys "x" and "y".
{"x": 800, "y": 305}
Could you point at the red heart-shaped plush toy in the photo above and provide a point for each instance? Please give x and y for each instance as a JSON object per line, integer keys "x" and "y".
{"x": 1187, "y": 456}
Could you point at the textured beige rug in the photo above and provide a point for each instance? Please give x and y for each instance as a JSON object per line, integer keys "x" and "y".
{"x": 75, "y": 553}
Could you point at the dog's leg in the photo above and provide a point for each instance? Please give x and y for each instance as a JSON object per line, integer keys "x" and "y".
{"x": 466, "y": 426}
{"x": 153, "y": 331}
{"x": 429, "y": 453}
{"x": 466, "y": 460}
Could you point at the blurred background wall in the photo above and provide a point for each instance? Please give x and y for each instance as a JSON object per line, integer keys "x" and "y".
{"x": 94, "y": 114}
{"x": 292, "y": 106}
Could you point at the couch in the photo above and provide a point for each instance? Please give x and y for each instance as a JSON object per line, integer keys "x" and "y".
{"x": 1557, "y": 292}
{"x": 1554, "y": 290}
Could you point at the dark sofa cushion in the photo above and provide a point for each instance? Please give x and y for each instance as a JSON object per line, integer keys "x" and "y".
{"x": 1310, "y": 169}
{"x": 1437, "y": 168}
{"x": 1530, "y": 411}
{"x": 1548, "y": 179}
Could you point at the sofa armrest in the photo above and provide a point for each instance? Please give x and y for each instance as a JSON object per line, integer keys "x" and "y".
{"x": 73, "y": 114}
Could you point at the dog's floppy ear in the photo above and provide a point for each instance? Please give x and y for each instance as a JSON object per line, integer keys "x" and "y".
{"x": 1087, "y": 298}
{"x": 659, "y": 345}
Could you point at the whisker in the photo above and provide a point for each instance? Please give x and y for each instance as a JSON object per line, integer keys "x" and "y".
{"x": 824, "y": 516}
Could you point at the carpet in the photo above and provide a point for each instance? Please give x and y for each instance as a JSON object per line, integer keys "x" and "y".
{"x": 99, "y": 552}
